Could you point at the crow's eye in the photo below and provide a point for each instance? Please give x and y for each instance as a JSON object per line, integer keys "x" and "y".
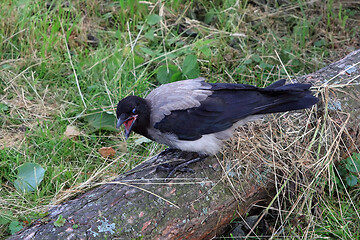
{"x": 134, "y": 111}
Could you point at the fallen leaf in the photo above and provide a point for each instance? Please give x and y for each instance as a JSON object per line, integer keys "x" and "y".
{"x": 121, "y": 147}
{"x": 142, "y": 140}
{"x": 107, "y": 152}
{"x": 71, "y": 132}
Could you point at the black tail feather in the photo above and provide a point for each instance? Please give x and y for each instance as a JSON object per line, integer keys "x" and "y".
{"x": 302, "y": 103}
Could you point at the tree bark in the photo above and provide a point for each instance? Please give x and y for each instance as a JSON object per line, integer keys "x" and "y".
{"x": 140, "y": 204}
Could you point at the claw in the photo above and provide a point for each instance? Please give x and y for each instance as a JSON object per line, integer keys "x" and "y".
{"x": 182, "y": 167}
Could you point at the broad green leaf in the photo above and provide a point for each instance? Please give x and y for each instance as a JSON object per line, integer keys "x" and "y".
{"x": 241, "y": 69}
{"x": 338, "y": 182}
{"x": 209, "y": 16}
{"x": 15, "y": 226}
{"x": 4, "y": 220}
{"x": 148, "y": 51}
{"x": 150, "y": 34}
{"x": 342, "y": 170}
{"x": 142, "y": 26}
{"x": 320, "y": 43}
{"x": 29, "y": 177}
{"x": 194, "y": 73}
{"x": 165, "y": 73}
{"x": 3, "y": 107}
{"x": 153, "y": 19}
{"x": 248, "y": 61}
{"x": 171, "y": 41}
{"x": 101, "y": 121}
{"x": 176, "y": 77}
{"x": 351, "y": 180}
{"x": 138, "y": 60}
{"x": 353, "y": 163}
{"x": 5, "y": 66}
{"x": 60, "y": 221}
{"x": 189, "y": 64}
{"x": 5, "y": 216}
{"x": 201, "y": 43}
{"x": 206, "y": 51}
{"x": 171, "y": 55}
{"x": 264, "y": 65}
{"x": 256, "y": 58}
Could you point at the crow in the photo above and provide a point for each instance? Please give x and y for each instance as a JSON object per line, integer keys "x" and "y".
{"x": 196, "y": 116}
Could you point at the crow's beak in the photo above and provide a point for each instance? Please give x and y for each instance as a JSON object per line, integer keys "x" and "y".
{"x": 128, "y": 124}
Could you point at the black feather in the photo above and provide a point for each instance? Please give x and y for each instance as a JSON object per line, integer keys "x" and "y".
{"x": 230, "y": 103}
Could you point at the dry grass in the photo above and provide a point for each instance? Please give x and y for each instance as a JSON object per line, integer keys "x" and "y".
{"x": 297, "y": 152}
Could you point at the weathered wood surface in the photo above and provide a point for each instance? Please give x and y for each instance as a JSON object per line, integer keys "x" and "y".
{"x": 139, "y": 203}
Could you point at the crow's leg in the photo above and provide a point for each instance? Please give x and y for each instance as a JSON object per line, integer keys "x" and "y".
{"x": 169, "y": 150}
{"x": 183, "y": 165}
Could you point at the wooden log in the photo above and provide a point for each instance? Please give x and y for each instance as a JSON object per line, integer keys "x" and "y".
{"x": 340, "y": 83}
{"x": 193, "y": 205}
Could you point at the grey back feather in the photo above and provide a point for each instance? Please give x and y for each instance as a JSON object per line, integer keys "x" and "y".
{"x": 177, "y": 96}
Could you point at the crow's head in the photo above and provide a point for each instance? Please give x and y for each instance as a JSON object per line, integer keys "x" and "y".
{"x": 134, "y": 113}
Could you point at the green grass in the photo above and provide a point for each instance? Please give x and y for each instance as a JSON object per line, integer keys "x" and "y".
{"x": 63, "y": 62}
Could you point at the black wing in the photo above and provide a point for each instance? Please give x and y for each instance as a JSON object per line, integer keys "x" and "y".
{"x": 230, "y": 103}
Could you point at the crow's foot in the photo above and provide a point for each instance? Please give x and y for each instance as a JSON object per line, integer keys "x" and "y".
{"x": 181, "y": 167}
